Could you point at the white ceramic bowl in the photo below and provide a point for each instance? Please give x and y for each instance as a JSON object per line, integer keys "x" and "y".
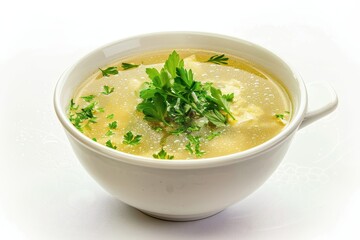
{"x": 185, "y": 189}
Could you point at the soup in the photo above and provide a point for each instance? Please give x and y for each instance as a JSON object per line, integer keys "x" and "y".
{"x": 182, "y": 104}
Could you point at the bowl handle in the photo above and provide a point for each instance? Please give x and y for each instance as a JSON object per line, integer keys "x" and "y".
{"x": 322, "y": 100}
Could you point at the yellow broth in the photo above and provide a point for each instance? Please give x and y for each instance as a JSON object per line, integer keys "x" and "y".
{"x": 261, "y": 106}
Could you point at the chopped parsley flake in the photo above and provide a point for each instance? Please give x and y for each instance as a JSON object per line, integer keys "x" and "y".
{"x": 130, "y": 139}
{"x": 162, "y": 155}
{"x": 127, "y": 66}
{"x": 109, "y": 71}
{"x": 107, "y": 90}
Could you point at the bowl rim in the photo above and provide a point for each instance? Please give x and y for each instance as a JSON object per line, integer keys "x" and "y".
{"x": 180, "y": 163}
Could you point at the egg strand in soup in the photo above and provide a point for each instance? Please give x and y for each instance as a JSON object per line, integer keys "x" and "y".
{"x": 189, "y": 104}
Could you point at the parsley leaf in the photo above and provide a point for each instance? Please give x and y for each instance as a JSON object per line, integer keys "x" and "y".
{"x": 110, "y": 116}
{"x": 216, "y": 118}
{"x": 193, "y": 146}
{"x": 109, "y": 133}
{"x": 109, "y": 71}
{"x": 218, "y": 59}
{"x": 130, "y": 139}
{"x": 172, "y": 63}
{"x": 110, "y": 145}
{"x": 113, "y": 125}
{"x": 279, "y": 116}
{"x": 127, "y": 66}
{"x": 88, "y": 98}
{"x": 107, "y": 90}
{"x": 72, "y": 105}
{"x": 162, "y": 155}
{"x": 154, "y": 109}
{"x": 229, "y": 97}
{"x": 78, "y": 118}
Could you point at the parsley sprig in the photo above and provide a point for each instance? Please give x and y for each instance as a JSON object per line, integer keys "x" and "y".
{"x": 162, "y": 154}
{"x": 107, "y": 90}
{"x": 175, "y": 99}
{"x": 127, "y": 66}
{"x": 109, "y": 71}
{"x": 218, "y": 59}
{"x": 110, "y": 144}
{"x": 78, "y": 119}
{"x": 193, "y": 145}
{"x": 131, "y": 139}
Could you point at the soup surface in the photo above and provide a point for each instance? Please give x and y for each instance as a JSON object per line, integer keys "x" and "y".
{"x": 122, "y": 106}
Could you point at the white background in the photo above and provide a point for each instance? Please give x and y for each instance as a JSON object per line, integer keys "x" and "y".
{"x": 46, "y": 194}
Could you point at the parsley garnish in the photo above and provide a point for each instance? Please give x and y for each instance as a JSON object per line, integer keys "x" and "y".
{"x": 94, "y": 139}
{"x": 72, "y": 105}
{"x": 109, "y": 133}
{"x": 175, "y": 99}
{"x": 127, "y": 66}
{"x": 130, "y": 139}
{"x": 218, "y": 59}
{"x": 109, "y": 71}
{"x": 113, "y": 125}
{"x": 162, "y": 155}
{"x": 110, "y": 116}
{"x": 110, "y": 145}
{"x": 281, "y": 116}
{"x": 229, "y": 97}
{"x": 88, "y": 98}
{"x": 107, "y": 90}
{"x": 212, "y": 136}
{"x": 193, "y": 146}
{"x": 78, "y": 118}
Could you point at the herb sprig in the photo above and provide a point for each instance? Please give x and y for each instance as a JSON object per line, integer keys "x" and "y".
{"x": 162, "y": 154}
{"x": 107, "y": 90}
{"x": 175, "y": 99}
{"x": 86, "y": 113}
{"x": 127, "y": 66}
{"x": 109, "y": 71}
{"x": 131, "y": 139}
{"x": 218, "y": 59}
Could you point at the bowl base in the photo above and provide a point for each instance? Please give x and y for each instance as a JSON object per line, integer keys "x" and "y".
{"x": 180, "y": 218}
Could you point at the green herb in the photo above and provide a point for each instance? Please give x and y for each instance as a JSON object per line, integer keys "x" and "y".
{"x": 175, "y": 99}
{"x": 110, "y": 116}
{"x": 113, "y": 125}
{"x": 109, "y": 133}
{"x": 229, "y": 97}
{"x": 281, "y": 116}
{"x": 72, "y": 105}
{"x": 163, "y": 155}
{"x": 158, "y": 129}
{"x": 94, "y": 139}
{"x": 107, "y": 90}
{"x": 109, "y": 71}
{"x": 110, "y": 145}
{"x": 100, "y": 109}
{"x": 130, "y": 139}
{"x": 193, "y": 146}
{"x": 212, "y": 135}
{"x": 127, "y": 66}
{"x": 78, "y": 118}
{"x": 88, "y": 98}
{"x": 218, "y": 59}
